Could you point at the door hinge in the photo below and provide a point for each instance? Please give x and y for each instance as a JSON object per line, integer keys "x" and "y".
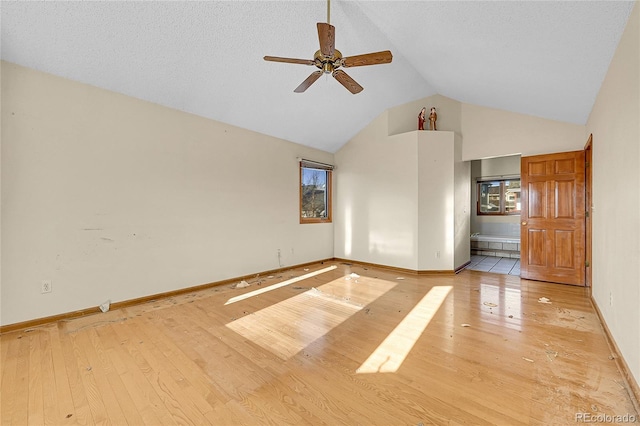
{"x": 586, "y": 263}
{"x": 586, "y": 213}
{"x": 586, "y": 164}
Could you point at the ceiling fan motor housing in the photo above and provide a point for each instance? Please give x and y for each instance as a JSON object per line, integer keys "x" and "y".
{"x": 328, "y": 64}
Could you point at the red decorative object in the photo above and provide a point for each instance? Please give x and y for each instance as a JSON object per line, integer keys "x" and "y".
{"x": 422, "y": 118}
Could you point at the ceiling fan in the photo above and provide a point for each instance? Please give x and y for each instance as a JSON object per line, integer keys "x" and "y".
{"x": 328, "y": 59}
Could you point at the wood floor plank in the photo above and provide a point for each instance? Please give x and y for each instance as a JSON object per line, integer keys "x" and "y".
{"x": 183, "y": 364}
{"x": 76, "y": 365}
{"x": 91, "y": 382}
{"x": 36, "y": 399}
{"x": 489, "y": 353}
{"x": 10, "y": 347}
{"x": 5, "y": 343}
{"x": 267, "y": 379}
{"x": 103, "y": 342}
{"x": 147, "y": 403}
{"x": 174, "y": 381}
{"x": 211, "y": 345}
{"x": 20, "y": 414}
{"x": 50, "y": 400}
{"x": 101, "y": 371}
{"x": 62, "y": 387}
{"x": 179, "y": 409}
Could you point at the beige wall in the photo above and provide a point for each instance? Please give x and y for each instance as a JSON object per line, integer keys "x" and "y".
{"x": 376, "y": 203}
{"x": 615, "y": 124}
{"x": 489, "y": 132}
{"x": 110, "y": 197}
{"x": 396, "y": 203}
{"x": 1, "y": 206}
{"x": 461, "y": 208}
{"x": 435, "y": 200}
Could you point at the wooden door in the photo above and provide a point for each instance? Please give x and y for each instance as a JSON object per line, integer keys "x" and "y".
{"x": 553, "y": 218}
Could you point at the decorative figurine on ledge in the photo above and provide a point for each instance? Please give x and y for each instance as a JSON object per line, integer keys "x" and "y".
{"x": 432, "y": 119}
{"x": 422, "y": 118}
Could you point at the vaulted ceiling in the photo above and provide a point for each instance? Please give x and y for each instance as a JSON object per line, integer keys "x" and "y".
{"x": 541, "y": 58}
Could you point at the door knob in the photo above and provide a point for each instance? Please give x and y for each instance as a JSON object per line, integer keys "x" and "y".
{"x": 524, "y": 223}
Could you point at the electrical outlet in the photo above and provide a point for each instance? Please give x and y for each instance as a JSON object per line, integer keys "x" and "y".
{"x": 46, "y": 286}
{"x": 438, "y": 254}
{"x": 610, "y": 299}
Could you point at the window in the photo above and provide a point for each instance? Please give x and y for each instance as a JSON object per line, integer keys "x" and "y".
{"x": 499, "y": 197}
{"x": 315, "y": 192}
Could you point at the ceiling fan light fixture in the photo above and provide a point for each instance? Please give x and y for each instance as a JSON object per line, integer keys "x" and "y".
{"x": 328, "y": 59}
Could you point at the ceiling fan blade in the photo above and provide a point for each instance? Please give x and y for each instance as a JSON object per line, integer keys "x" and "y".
{"x": 376, "y": 58}
{"x": 290, "y": 60}
{"x": 327, "y": 36}
{"x": 308, "y": 82}
{"x": 347, "y": 81}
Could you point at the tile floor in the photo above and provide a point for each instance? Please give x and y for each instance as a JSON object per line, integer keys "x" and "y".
{"x": 498, "y": 265}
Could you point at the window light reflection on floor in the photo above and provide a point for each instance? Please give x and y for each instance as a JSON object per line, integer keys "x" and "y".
{"x": 391, "y": 353}
{"x": 279, "y": 285}
{"x": 291, "y": 325}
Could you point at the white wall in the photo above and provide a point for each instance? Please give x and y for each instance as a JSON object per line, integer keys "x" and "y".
{"x": 436, "y": 200}
{"x": 498, "y": 167}
{"x": 489, "y": 132}
{"x": 110, "y": 197}
{"x": 615, "y": 124}
{"x": 493, "y": 167}
{"x": 395, "y": 202}
{"x": 1, "y": 206}
{"x": 376, "y": 205}
{"x": 462, "y": 208}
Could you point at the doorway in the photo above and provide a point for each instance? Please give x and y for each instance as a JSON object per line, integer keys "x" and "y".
{"x": 495, "y": 215}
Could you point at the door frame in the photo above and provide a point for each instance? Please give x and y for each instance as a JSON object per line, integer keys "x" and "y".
{"x": 588, "y": 184}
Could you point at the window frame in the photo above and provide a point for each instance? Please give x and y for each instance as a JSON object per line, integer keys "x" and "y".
{"x": 329, "y": 193}
{"x": 502, "y": 208}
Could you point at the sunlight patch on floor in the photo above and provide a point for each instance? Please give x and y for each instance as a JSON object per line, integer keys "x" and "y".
{"x": 289, "y": 326}
{"x": 279, "y": 285}
{"x": 391, "y": 353}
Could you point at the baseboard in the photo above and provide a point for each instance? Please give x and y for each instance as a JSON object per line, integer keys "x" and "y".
{"x": 437, "y": 272}
{"x": 47, "y": 320}
{"x": 402, "y": 270}
{"x": 632, "y": 385}
{"x": 461, "y": 267}
{"x": 375, "y": 265}
{"x": 131, "y": 302}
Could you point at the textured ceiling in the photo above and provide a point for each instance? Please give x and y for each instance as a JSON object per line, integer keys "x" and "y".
{"x": 541, "y": 58}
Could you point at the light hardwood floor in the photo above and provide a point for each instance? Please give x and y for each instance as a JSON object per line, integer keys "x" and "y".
{"x": 330, "y": 349}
